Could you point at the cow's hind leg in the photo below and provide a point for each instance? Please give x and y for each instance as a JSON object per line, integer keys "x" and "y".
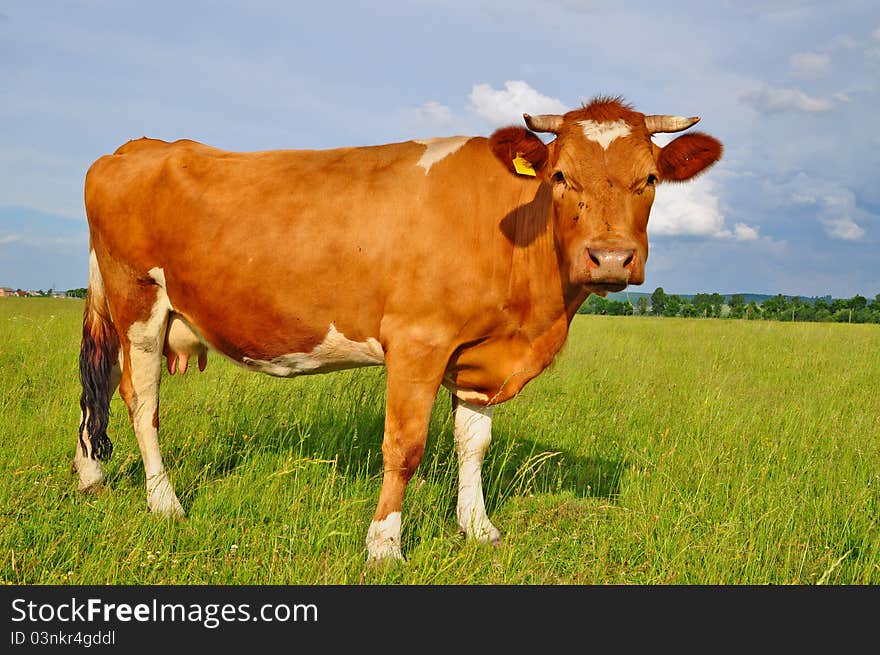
{"x": 473, "y": 433}
{"x": 139, "y": 387}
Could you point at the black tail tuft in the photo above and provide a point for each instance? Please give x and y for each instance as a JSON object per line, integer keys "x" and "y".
{"x": 97, "y": 357}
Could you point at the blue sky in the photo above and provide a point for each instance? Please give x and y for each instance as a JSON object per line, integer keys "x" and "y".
{"x": 791, "y": 88}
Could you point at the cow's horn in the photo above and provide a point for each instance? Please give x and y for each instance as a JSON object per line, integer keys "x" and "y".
{"x": 662, "y": 123}
{"x": 544, "y": 123}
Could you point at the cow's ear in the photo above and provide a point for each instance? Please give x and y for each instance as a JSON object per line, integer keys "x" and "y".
{"x": 687, "y": 156}
{"x": 520, "y": 150}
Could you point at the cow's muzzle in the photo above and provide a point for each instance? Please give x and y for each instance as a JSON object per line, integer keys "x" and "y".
{"x": 611, "y": 268}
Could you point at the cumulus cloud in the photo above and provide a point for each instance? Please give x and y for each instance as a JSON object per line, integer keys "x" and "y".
{"x": 507, "y": 105}
{"x": 810, "y": 63}
{"x": 693, "y": 209}
{"x": 774, "y": 100}
{"x": 835, "y": 207}
{"x": 432, "y": 113}
{"x": 842, "y": 227}
{"x": 743, "y": 232}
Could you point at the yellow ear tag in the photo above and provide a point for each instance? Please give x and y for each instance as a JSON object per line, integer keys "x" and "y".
{"x": 523, "y": 166}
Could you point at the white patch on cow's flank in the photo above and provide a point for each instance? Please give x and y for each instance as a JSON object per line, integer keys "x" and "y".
{"x": 383, "y": 539}
{"x": 334, "y": 353}
{"x": 473, "y": 433}
{"x": 438, "y": 148}
{"x": 605, "y": 132}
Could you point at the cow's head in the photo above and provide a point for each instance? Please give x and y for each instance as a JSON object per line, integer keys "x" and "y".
{"x": 602, "y": 170}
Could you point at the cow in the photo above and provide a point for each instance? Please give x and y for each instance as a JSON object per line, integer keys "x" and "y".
{"x": 456, "y": 262}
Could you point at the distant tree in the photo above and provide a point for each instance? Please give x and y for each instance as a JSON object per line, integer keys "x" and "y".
{"x": 688, "y": 310}
{"x": 776, "y": 308}
{"x": 594, "y": 305}
{"x": 618, "y": 308}
{"x": 76, "y": 293}
{"x": 642, "y": 305}
{"x": 753, "y": 311}
{"x": 737, "y": 305}
{"x": 672, "y": 306}
{"x": 658, "y": 301}
{"x": 858, "y": 302}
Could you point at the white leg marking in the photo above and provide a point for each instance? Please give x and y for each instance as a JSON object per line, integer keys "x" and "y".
{"x": 383, "y": 539}
{"x": 91, "y": 472}
{"x": 605, "y": 132}
{"x": 439, "y": 148}
{"x": 146, "y": 368}
{"x": 473, "y": 433}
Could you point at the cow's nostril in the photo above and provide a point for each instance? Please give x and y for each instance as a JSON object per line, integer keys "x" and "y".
{"x": 593, "y": 258}
{"x": 629, "y": 260}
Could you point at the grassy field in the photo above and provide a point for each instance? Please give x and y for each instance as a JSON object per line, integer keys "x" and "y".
{"x": 654, "y": 451}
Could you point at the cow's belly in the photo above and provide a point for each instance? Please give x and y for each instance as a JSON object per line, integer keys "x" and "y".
{"x": 334, "y": 353}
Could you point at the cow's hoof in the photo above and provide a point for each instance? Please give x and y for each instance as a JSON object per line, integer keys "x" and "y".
{"x": 391, "y": 556}
{"x": 162, "y": 500}
{"x": 91, "y": 475}
{"x": 383, "y": 540}
{"x": 487, "y": 534}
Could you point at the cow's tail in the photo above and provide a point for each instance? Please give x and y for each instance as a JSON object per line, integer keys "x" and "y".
{"x": 98, "y": 355}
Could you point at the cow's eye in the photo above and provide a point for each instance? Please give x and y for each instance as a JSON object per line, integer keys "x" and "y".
{"x": 652, "y": 179}
{"x": 558, "y": 177}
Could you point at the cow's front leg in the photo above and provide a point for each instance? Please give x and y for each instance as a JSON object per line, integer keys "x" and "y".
{"x": 411, "y": 388}
{"x": 473, "y": 433}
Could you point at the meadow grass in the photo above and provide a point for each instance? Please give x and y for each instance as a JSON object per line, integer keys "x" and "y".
{"x": 653, "y": 451}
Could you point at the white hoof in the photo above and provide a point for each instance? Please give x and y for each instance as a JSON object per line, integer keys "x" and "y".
{"x": 161, "y": 498}
{"x": 91, "y": 473}
{"x": 383, "y": 540}
{"x": 483, "y": 532}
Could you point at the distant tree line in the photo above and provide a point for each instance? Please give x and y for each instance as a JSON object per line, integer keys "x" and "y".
{"x": 857, "y": 309}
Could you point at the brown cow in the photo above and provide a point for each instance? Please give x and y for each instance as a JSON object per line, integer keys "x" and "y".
{"x": 453, "y": 261}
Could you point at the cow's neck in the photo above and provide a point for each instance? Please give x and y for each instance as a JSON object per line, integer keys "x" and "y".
{"x": 537, "y": 292}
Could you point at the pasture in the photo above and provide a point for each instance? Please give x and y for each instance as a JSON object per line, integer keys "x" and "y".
{"x": 653, "y": 451}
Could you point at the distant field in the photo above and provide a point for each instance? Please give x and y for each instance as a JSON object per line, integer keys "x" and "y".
{"x": 654, "y": 451}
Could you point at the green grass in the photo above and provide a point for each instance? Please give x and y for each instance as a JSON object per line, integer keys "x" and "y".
{"x": 654, "y": 451}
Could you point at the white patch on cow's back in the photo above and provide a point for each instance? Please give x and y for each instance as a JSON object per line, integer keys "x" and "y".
{"x": 334, "y": 353}
{"x": 605, "y": 132}
{"x": 439, "y": 148}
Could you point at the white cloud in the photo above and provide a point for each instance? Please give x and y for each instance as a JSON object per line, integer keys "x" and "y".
{"x": 687, "y": 209}
{"x": 842, "y": 227}
{"x": 506, "y": 106}
{"x": 835, "y": 207}
{"x": 876, "y": 34}
{"x": 743, "y": 232}
{"x": 9, "y": 238}
{"x": 774, "y": 100}
{"x": 432, "y": 113}
{"x": 810, "y": 63}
